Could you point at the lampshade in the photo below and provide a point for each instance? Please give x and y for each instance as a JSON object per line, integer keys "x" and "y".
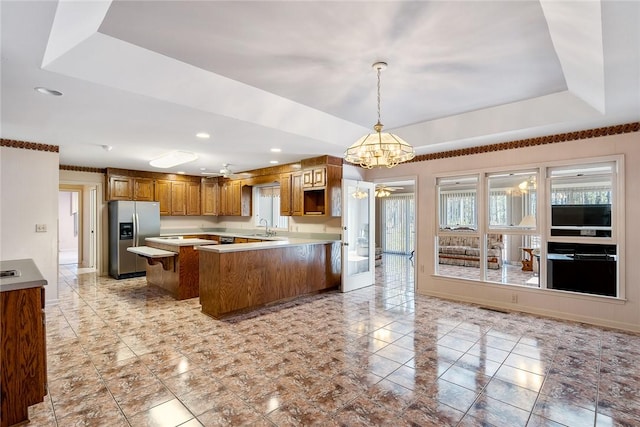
{"x": 379, "y": 148}
{"x": 529, "y": 221}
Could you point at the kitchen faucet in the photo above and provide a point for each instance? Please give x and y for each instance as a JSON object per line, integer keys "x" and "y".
{"x": 266, "y": 226}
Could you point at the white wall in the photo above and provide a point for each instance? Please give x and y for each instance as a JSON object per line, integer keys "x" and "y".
{"x": 585, "y": 308}
{"x": 29, "y": 196}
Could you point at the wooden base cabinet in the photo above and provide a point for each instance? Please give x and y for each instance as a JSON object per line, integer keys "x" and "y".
{"x": 23, "y": 365}
{"x": 233, "y": 282}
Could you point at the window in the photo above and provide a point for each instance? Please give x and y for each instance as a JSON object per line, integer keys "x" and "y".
{"x": 267, "y": 206}
{"x": 458, "y": 243}
{"x": 512, "y": 199}
{"x": 581, "y": 200}
{"x": 489, "y": 227}
{"x": 458, "y": 204}
{"x": 581, "y": 251}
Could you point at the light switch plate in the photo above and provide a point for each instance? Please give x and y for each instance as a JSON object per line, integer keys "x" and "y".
{"x": 41, "y": 228}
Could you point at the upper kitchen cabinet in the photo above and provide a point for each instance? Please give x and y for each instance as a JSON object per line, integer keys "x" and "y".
{"x": 316, "y": 177}
{"x": 291, "y": 194}
{"x": 124, "y": 186}
{"x": 193, "y": 198}
{"x": 285, "y": 194}
{"x": 235, "y": 198}
{"x": 178, "y": 198}
{"x": 120, "y": 188}
{"x": 322, "y": 186}
{"x": 143, "y": 189}
{"x": 210, "y": 193}
{"x": 163, "y": 196}
{"x": 324, "y": 200}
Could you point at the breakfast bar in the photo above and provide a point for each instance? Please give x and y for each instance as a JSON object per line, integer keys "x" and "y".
{"x": 172, "y": 264}
{"x": 245, "y": 276}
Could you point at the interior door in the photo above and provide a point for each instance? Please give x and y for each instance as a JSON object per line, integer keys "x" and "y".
{"x": 358, "y": 245}
{"x": 93, "y": 203}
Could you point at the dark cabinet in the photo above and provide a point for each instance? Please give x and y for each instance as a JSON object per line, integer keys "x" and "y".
{"x": 22, "y": 353}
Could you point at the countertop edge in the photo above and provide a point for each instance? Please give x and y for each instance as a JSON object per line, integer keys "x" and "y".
{"x": 30, "y": 275}
{"x": 242, "y": 247}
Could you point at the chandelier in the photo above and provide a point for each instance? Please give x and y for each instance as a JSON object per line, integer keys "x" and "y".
{"x": 379, "y": 149}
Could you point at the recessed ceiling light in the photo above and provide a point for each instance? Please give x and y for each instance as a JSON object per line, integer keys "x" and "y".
{"x": 273, "y": 162}
{"x": 203, "y": 135}
{"x": 173, "y": 158}
{"x": 203, "y": 169}
{"x": 45, "y": 91}
{"x": 180, "y": 172}
{"x": 276, "y": 150}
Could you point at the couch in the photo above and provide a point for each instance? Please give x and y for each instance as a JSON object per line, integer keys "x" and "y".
{"x": 463, "y": 250}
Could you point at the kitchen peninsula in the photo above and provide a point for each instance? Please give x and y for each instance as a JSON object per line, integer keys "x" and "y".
{"x": 172, "y": 264}
{"x": 243, "y": 276}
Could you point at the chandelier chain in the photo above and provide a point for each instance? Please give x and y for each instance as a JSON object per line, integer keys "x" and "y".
{"x": 378, "y": 94}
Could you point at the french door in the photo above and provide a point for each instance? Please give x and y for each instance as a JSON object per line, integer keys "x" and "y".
{"x": 358, "y": 243}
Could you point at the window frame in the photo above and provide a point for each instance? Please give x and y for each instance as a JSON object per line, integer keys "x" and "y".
{"x": 543, "y": 218}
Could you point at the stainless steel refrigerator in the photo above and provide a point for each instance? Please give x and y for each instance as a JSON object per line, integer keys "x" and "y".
{"x": 129, "y": 224}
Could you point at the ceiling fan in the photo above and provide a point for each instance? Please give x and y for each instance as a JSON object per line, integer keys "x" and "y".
{"x": 385, "y": 191}
{"x": 225, "y": 172}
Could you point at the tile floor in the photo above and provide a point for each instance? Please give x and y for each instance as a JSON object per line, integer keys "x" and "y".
{"x": 120, "y": 354}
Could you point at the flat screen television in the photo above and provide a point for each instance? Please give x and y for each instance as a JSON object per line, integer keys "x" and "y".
{"x": 581, "y": 215}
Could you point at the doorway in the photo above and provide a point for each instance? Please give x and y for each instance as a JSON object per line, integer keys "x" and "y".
{"x": 78, "y": 225}
{"x": 396, "y": 224}
{"x": 69, "y": 226}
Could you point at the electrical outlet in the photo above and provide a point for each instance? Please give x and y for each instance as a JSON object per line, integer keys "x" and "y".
{"x": 41, "y": 228}
{"x": 514, "y": 298}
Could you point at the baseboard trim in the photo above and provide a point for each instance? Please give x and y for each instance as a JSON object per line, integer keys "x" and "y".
{"x": 553, "y": 314}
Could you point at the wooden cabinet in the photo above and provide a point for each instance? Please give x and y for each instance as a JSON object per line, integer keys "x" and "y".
{"x": 120, "y": 188}
{"x": 210, "y": 196}
{"x": 323, "y": 199}
{"x": 163, "y": 196}
{"x": 296, "y": 194}
{"x": 130, "y": 188}
{"x": 312, "y": 187}
{"x": 143, "y": 189}
{"x": 235, "y": 199}
{"x": 22, "y": 353}
{"x": 178, "y": 198}
{"x": 285, "y": 194}
{"x": 291, "y": 194}
{"x": 316, "y": 177}
{"x": 193, "y": 198}
{"x": 225, "y": 198}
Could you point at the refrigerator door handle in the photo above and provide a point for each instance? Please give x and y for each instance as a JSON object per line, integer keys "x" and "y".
{"x": 135, "y": 229}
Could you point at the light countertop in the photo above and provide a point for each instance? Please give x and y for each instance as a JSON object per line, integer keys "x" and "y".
{"x": 29, "y": 275}
{"x": 240, "y": 247}
{"x": 249, "y": 235}
{"x": 178, "y": 242}
{"x": 149, "y": 252}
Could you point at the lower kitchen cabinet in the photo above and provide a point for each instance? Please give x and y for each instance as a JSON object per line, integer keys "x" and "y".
{"x": 23, "y": 377}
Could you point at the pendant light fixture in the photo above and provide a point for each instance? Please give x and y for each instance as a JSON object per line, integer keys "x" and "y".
{"x": 379, "y": 148}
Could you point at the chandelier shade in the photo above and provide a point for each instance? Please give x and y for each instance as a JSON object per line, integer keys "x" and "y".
{"x": 379, "y": 148}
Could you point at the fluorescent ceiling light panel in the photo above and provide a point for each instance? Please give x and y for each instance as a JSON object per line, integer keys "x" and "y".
{"x": 173, "y": 158}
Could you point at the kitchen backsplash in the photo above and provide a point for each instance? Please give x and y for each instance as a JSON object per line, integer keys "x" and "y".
{"x": 187, "y": 224}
